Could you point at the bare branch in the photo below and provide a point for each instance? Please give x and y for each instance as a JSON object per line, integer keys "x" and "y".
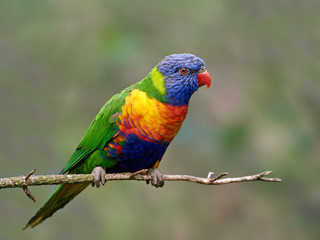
{"x": 31, "y": 180}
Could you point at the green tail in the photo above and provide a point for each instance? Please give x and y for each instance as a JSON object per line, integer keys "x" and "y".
{"x": 61, "y": 196}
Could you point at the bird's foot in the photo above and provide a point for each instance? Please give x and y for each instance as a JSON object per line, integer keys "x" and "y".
{"x": 156, "y": 177}
{"x": 99, "y": 176}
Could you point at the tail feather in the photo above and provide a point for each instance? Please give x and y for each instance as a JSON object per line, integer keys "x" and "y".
{"x": 61, "y": 197}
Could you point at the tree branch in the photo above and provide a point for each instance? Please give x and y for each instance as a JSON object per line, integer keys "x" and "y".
{"x": 31, "y": 180}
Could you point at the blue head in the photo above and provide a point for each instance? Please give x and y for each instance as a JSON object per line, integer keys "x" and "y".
{"x": 183, "y": 75}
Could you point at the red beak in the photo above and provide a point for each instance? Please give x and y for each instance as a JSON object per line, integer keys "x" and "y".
{"x": 204, "y": 79}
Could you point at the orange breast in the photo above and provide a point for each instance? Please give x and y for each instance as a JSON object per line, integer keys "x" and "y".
{"x": 150, "y": 119}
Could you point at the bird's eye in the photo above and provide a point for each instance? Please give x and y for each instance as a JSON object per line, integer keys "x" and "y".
{"x": 183, "y": 71}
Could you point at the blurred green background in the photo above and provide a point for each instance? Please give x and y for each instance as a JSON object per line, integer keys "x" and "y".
{"x": 61, "y": 60}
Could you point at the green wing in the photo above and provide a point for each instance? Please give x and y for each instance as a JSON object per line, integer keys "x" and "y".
{"x": 101, "y": 130}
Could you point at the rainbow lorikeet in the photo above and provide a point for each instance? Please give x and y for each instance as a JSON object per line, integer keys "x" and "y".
{"x": 133, "y": 129}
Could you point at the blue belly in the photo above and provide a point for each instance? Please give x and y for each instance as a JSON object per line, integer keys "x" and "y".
{"x": 137, "y": 154}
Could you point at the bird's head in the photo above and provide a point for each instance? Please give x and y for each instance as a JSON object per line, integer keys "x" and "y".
{"x": 183, "y": 74}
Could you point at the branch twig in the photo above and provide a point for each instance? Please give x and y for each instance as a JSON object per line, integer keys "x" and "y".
{"x": 25, "y": 186}
{"x": 31, "y": 180}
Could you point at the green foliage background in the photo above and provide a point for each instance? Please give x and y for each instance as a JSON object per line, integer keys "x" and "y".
{"x": 61, "y": 60}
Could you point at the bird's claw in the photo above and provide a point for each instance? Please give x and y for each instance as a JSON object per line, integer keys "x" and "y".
{"x": 156, "y": 177}
{"x": 99, "y": 176}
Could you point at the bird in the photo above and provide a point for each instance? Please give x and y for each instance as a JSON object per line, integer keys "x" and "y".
{"x": 133, "y": 129}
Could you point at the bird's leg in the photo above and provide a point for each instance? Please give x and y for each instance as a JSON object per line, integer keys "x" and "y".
{"x": 99, "y": 176}
{"x": 156, "y": 177}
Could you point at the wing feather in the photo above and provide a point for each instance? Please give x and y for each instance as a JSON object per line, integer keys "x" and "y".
{"x": 102, "y": 129}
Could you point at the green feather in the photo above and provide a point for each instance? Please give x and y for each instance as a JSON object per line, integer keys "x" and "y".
{"x": 154, "y": 85}
{"x": 61, "y": 196}
{"x": 101, "y": 130}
